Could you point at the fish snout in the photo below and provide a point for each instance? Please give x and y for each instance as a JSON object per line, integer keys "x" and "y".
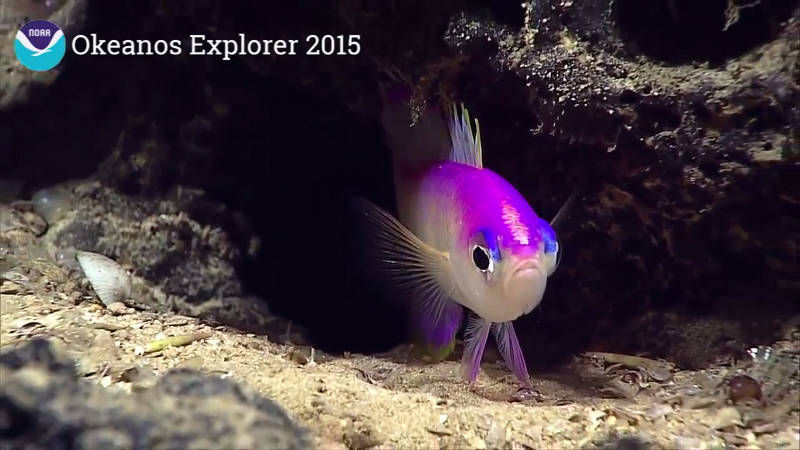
{"x": 526, "y": 266}
{"x": 525, "y": 285}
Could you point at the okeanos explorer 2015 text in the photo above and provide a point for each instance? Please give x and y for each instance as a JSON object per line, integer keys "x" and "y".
{"x": 199, "y": 44}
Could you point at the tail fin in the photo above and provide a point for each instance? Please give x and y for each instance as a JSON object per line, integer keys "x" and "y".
{"x": 413, "y": 144}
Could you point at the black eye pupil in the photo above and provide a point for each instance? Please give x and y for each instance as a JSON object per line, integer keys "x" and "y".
{"x": 481, "y": 258}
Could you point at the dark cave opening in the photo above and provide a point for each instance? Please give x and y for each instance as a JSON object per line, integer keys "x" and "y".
{"x": 284, "y": 156}
{"x": 288, "y": 159}
{"x": 506, "y": 12}
{"x": 308, "y": 233}
{"x": 682, "y": 31}
{"x": 293, "y": 161}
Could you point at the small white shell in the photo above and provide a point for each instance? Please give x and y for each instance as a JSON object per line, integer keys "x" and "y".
{"x": 110, "y": 281}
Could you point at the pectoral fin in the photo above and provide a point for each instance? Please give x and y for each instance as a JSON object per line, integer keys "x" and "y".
{"x": 416, "y": 269}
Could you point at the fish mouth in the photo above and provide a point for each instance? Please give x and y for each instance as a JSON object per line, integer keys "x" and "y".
{"x": 525, "y": 267}
{"x": 525, "y": 286}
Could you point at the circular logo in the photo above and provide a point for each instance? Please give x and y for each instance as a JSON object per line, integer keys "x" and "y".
{"x": 40, "y": 45}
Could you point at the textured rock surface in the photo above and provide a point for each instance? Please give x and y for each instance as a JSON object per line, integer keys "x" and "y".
{"x": 678, "y": 125}
{"x": 677, "y": 121}
{"x": 17, "y": 82}
{"x": 393, "y": 399}
{"x": 183, "y": 265}
{"x": 43, "y": 403}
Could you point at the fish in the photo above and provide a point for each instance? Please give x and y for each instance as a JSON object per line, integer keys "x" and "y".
{"x": 465, "y": 245}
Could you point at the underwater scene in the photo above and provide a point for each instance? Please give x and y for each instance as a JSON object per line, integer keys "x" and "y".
{"x": 403, "y": 224}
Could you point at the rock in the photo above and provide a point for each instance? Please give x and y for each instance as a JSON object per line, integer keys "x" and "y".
{"x": 471, "y": 439}
{"x": 357, "y": 439}
{"x": 668, "y": 182}
{"x": 626, "y": 443}
{"x": 18, "y": 218}
{"x": 119, "y": 309}
{"x": 188, "y": 267}
{"x": 726, "y": 417}
{"x": 688, "y": 342}
{"x": 17, "y": 86}
{"x": 9, "y": 287}
{"x": 49, "y": 406}
{"x": 52, "y": 203}
{"x": 497, "y": 436}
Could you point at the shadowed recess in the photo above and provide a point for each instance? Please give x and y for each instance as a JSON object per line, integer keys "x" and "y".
{"x": 680, "y": 31}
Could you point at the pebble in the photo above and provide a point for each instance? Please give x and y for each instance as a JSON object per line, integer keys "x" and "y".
{"x": 743, "y": 387}
{"x": 302, "y": 355}
{"x": 497, "y": 436}
{"x": 119, "y": 308}
{"x": 9, "y": 287}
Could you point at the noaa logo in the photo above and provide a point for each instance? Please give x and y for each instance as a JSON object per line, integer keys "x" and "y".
{"x": 40, "y": 45}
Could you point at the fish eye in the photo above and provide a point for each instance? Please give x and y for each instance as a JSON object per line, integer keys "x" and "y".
{"x": 553, "y": 257}
{"x": 482, "y": 260}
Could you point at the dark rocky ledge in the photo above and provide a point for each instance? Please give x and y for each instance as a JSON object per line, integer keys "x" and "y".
{"x": 44, "y": 403}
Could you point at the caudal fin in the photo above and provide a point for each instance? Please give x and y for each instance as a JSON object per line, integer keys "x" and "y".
{"x": 413, "y": 144}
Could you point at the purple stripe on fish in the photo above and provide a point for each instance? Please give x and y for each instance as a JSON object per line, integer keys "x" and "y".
{"x": 488, "y": 201}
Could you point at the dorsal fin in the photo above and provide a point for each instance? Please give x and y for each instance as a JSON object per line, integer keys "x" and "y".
{"x": 465, "y": 148}
{"x": 564, "y": 208}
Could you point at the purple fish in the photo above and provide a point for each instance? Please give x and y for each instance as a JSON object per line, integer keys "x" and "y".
{"x": 465, "y": 237}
